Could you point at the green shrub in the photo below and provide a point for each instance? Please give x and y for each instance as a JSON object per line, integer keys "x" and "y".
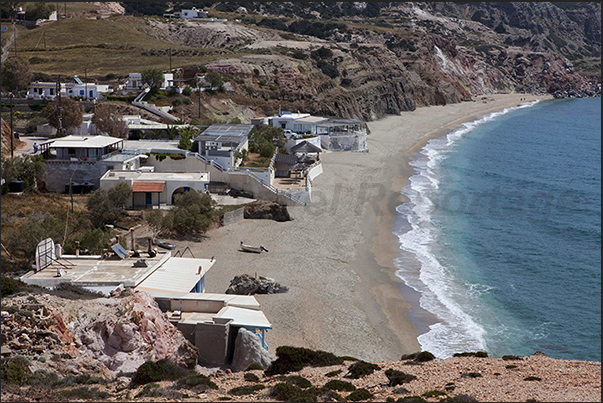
{"x": 224, "y": 398}
{"x": 398, "y": 377}
{"x": 434, "y": 393}
{"x": 254, "y": 366}
{"x": 342, "y": 386}
{"x": 296, "y": 380}
{"x": 450, "y": 386}
{"x": 10, "y": 286}
{"x": 471, "y": 375}
{"x": 286, "y": 392}
{"x": 348, "y": 358}
{"x": 295, "y": 358}
{"x": 422, "y": 356}
{"x": 511, "y": 357}
{"x": 359, "y": 395}
{"x": 12, "y": 309}
{"x": 510, "y": 366}
{"x": 84, "y": 393}
{"x": 197, "y": 381}
{"x": 532, "y": 378}
{"x": 44, "y": 377}
{"x": 245, "y": 390}
{"x": 360, "y": 369}
{"x": 251, "y": 377}
{"x": 155, "y": 371}
{"x": 482, "y": 354}
{"x": 333, "y": 373}
{"x": 15, "y": 370}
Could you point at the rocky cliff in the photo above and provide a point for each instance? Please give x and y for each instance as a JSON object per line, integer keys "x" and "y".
{"x": 366, "y": 60}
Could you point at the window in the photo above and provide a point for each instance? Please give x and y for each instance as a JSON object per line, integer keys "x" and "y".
{"x": 71, "y": 151}
{"x": 81, "y": 92}
{"x": 52, "y": 91}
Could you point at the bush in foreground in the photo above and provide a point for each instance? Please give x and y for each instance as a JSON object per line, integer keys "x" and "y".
{"x": 295, "y": 358}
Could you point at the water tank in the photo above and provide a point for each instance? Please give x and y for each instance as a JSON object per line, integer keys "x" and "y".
{"x": 76, "y": 188}
{"x": 87, "y": 187}
{"x": 16, "y": 186}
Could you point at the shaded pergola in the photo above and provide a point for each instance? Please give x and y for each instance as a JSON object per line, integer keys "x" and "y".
{"x": 147, "y": 187}
{"x": 306, "y": 148}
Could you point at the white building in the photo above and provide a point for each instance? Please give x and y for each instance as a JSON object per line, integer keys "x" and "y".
{"x": 155, "y": 188}
{"x": 188, "y": 14}
{"x": 220, "y": 143}
{"x": 42, "y": 90}
{"x": 135, "y": 81}
{"x": 83, "y": 159}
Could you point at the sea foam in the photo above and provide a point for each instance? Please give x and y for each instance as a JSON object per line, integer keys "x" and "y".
{"x": 441, "y": 292}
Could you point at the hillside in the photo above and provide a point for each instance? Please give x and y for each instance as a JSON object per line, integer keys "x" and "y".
{"x": 71, "y": 346}
{"x": 343, "y": 60}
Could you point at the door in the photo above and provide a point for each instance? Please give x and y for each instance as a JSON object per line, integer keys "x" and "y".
{"x": 149, "y": 196}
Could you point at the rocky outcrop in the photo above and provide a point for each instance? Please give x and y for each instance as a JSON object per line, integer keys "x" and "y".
{"x": 248, "y": 350}
{"x": 248, "y": 285}
{"x": 101, "y": 336}
{"x": 6, "y": 139}
{"x": 262, "y": 209}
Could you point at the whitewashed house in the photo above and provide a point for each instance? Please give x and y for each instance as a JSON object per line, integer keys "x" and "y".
{"x": 75, "y": 89}
{"x": 220, "y": 143}
{"x": 134, "y": 81}
{"x": 150, "y": 188}
{"x": 192, "y": 13}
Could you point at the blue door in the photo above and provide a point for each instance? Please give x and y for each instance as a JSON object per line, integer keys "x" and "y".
{"x": 149, "y": 198}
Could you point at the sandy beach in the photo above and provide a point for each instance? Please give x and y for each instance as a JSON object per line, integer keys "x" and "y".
{"x": 336, "y": 255}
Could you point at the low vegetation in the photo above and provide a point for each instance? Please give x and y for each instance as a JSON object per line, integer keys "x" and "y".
{"x": 361, "y": 369}
{"x": 155, "y": 371}
{"x": 295, "y": 358}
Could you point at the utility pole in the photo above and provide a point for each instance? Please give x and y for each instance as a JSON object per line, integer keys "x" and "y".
{"x": 60, "y": 106}
{"x": 86, "y": 83}
{"x": 199, "y": 93}
{"x": 58, "y": 13}
{"x": 170, "y": 59}
{"x": 15, "y": 36}
{"x": 12, "y": 133}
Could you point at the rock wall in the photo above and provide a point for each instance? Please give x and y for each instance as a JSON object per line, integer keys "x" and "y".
{"x": 99, "y": 336}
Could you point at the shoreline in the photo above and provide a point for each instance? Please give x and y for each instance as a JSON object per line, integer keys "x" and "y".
{"x": 450, "y": 117}
{"x": 337, "y": 255}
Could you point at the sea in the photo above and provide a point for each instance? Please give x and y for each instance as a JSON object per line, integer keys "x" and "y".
{"x": 503, "y": 225}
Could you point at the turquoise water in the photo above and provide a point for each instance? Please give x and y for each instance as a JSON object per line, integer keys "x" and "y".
{"x": 504, "y": 223}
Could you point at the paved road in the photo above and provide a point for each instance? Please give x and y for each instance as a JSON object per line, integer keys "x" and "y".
{"x": 28, "y": 142}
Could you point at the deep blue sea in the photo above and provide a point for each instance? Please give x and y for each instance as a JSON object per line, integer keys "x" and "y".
{"x": 503, "y": 224}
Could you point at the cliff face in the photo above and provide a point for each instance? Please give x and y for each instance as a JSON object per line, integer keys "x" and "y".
{"x": 385, "y": 58}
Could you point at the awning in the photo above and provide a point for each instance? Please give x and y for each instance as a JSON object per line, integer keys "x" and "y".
{"x": 143, "y": 187}
{"x": 244, "y": 317}
{"x": 176, "y": 275}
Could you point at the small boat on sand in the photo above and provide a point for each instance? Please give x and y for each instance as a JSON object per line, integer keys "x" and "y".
{"x": 253, "y": 249}
{"x": 167, "y": 245}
